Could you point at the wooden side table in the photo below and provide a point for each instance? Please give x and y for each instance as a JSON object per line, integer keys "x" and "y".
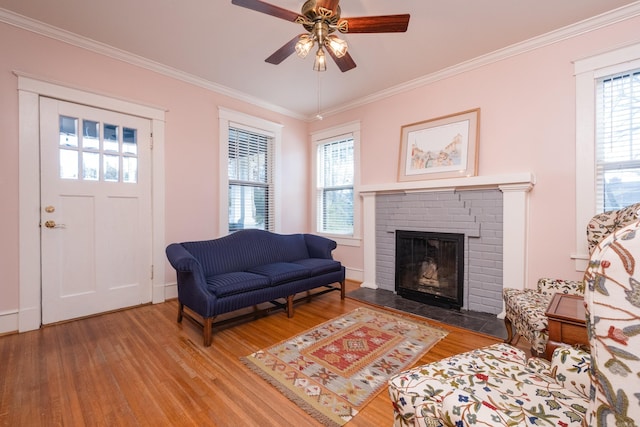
{"x": 567, "y": 323}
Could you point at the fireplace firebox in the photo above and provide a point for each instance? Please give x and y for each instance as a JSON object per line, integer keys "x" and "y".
{"x": 430, "y": 267}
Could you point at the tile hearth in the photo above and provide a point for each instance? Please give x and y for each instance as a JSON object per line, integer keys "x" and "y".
{"x": 479, "y": 322}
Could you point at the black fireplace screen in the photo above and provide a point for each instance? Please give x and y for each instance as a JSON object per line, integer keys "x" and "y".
{"x": 430, "y": 267}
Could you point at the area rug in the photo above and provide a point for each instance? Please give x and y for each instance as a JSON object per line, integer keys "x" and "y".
{"x": 333, "y": 370}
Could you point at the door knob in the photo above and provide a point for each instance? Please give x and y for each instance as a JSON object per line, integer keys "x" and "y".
{"x": 52, "y": 224}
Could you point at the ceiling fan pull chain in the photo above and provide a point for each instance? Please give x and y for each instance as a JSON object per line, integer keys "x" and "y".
{"x": 319, "y": 116}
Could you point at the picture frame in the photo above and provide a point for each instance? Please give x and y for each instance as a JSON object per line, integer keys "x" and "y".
{"x": 444, "y": 147}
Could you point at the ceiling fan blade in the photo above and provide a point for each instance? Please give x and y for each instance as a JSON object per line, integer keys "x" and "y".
{"x": 284, "y": 52}
{"x": 377, "y": 24}
{"x": 269, "y": 9}
{"x": 345, "y": 63}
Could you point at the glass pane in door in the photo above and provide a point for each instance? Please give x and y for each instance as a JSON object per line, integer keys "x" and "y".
{"x": 111, "y": 138}
{"x": 111, "y": 168}
{"x": 68, "y": 131}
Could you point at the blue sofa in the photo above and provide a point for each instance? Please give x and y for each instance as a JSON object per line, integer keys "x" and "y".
{"x": 250, "y": 267}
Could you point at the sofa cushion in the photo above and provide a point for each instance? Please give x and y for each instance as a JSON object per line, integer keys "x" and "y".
{"x": 281, "y": 272}
{"x": 226, "y": 284}
{"x": 319, "y": 266}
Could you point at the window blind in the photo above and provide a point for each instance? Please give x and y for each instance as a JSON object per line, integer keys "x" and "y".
{"x": 618, "y": 140}
{"x": 335, "y": 186}
{"x": 250, "y": 171}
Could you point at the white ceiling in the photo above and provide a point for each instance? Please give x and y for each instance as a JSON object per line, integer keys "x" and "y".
{"x": 214, "y": 41}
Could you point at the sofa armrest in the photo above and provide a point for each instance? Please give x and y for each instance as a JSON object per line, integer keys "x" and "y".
{"x": 181, "y": 259}
{"x": 192, "y": 283}
{"x": 547, "y": 286}
{"x": 319, "y": 246}
{"x": 186, "y": 265}
{"x": 570, "y": 368}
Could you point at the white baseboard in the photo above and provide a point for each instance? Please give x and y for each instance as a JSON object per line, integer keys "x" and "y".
{"x": 355, "y": 275}
{"x": 170, "y": 291}
{"x": 8, "y": 322}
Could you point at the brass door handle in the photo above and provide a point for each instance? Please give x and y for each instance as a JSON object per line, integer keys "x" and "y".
{"x": 52, "y": 224}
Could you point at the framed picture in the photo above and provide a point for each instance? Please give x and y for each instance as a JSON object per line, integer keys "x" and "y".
{"x": 445, "y": 147}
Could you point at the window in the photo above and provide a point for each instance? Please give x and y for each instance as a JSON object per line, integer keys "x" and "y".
{"x": 617, "y": 140}
{"x": 250, "y": 180}
{"x": 607, "y": 137}
{"x": 335, "y": 177}
{"x": 248, "y": 175}
{"x": 335, "y": 186}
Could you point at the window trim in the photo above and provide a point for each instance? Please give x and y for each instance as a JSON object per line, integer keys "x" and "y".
{"x": 227, "y": 117}
{"x": 587, "y": 71}
{"x": 321, "y": 137}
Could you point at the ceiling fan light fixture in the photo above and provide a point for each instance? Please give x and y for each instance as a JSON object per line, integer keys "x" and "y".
{"x": 320, "y": 63}
{"x": 320, "y": 19}
{"x": 337, "y": 45}
{"x": 304, "y": 45}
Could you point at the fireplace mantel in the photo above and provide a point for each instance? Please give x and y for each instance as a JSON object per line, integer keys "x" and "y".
{"x": 515, "y": 189}
{"x": 463, "y": 183}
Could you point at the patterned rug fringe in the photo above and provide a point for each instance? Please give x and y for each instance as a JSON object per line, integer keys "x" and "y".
{"x": 290, "y": 395}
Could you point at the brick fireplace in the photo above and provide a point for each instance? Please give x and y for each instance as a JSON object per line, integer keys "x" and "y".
{"x": 491, "y": 212}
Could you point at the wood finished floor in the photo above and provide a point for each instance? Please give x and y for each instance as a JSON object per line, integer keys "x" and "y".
{"x": 139, "y": 367}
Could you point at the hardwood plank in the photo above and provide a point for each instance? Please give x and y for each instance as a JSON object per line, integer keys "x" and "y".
{"x": 141, "y": 367}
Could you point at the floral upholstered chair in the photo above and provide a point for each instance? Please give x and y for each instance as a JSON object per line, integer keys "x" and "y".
{"x": 525, "y": 308}
{"x": 612, "y": 299}
{"x": 497, "y": 385}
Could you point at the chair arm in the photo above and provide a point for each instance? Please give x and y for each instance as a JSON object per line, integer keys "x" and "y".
{"x": 319, "y": 246}
{"x": 539, "y": 366}
{"x": 547, "y": 286}
{"x": 570, "y": 368}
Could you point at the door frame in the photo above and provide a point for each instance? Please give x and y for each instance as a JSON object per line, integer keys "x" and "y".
{"x": 30, "y": 90}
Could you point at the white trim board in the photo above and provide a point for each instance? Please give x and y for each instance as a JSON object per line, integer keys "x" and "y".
{"x": 29, "y": 91}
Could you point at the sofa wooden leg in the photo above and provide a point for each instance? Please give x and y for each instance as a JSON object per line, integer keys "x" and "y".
{"x": 180, "y": 309}
{"x": 290, "y": 306}
{"x": 208, "y": 328}
{"x": 342, "y": 289}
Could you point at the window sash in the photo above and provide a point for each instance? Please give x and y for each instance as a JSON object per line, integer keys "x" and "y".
{"x": 250, "y": 179}
{"x": 335, "y": 179}
{"x": 617, "y": 138}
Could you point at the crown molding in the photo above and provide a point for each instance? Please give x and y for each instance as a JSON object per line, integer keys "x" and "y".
{"x": 55, "y": 33}
{"x": 617, "y": 15}
{"x": 591, "y": 24}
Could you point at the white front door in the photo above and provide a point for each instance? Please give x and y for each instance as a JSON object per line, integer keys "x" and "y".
{"x": 96, "y": 231}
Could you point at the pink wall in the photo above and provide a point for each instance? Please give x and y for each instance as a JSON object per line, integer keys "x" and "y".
{"x": 191, "y": 141}
{"x": 527, "y": 125}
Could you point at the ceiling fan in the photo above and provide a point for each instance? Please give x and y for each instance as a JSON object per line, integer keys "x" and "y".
{"x": 321, "y": 18}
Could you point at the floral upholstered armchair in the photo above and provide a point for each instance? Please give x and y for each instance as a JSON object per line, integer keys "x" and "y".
{"x": 525, "y": 308}
{"x": 612, "y": 299}
{"x": 497, "y": 385}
